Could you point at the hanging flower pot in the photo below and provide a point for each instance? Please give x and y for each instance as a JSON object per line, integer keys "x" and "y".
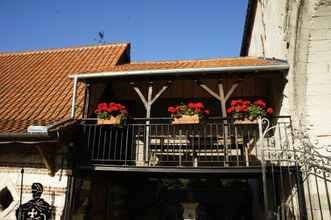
{"x": 192, "y": 113}
{"x": 186, "y": 119}
{"x": 111, "y": 114}
{"x": 111, "y": 121}
{"x": 245, "y": 121}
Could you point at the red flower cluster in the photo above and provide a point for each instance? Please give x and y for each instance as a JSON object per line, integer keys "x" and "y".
{"x": 239, "y": 106}
{"x": 244, "y": 108}
{"x": 105, "y": 110}
{"x": 189, "y": 109}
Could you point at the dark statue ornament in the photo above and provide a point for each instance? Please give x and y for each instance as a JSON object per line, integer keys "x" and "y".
{"x": 36, "y": 208}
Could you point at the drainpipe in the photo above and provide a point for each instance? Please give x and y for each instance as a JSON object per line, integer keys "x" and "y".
{"x": 74, "y": 93}
{"x": 87, "y": 100}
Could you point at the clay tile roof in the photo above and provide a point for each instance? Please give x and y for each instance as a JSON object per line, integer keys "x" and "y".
{"x": 35, "y": 88}
{"x": 182, "y": 64}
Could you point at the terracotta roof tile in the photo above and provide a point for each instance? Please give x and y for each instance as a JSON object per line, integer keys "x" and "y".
{"x": 35, "y": 88}
{"x": 182, "y": 64}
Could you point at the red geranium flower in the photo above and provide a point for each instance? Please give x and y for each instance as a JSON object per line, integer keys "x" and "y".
{"x": 260, "y": 103}
{"x": 269, "y": 110}
{"x": 230, "y": 110}
{"x": 171, "y": 109}
{"x": 102, "y": 106}
{"x": 234, "y": 102}
{"x": 244, "y": 109}
{"x": 191, "y": 105}
{"x": 115, "y": 107}
{"x": 207, "y": 112}
{"x": 198, "y": 105}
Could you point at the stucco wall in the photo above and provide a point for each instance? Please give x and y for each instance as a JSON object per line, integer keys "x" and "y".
{"x": 318, "y": 71}
{"x": 300, "y": 32}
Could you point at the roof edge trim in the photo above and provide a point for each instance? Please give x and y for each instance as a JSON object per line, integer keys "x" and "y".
{"x": 56, "y": 50}
{"x": 272, "y": 67}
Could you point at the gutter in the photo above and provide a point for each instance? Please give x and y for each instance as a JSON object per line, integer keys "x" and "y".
{"x": 28, "y": 138}
{"x": 51, "y": 135}
{"x": 181, "y": 72}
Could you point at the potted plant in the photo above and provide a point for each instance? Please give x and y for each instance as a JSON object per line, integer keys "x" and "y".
{"x": 247, "y": 112}
{"x": 191, "y": 113}
{"x": 112, "y": 113}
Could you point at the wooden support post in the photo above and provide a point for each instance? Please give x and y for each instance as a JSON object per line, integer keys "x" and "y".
{"x": 148, "y": 106}
{"x": 222, "y": 98}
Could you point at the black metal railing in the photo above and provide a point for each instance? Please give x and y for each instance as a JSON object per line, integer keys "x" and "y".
{"x": 295, "y": 175}
{"x": 157, "y": 142}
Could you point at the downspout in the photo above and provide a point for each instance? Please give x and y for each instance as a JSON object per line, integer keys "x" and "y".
{"x": 87, "y": 100}
{"x": 74, "y": 93}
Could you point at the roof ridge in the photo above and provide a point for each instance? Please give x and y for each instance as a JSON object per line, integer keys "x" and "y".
{"x": 50, "y": 50}
{"x": 189, "y": 60}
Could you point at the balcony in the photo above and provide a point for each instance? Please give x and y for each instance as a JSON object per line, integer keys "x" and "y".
{"x": 156, "y": 143}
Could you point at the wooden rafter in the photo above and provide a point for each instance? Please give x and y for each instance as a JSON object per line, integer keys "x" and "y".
{"x": 221, "y": 96}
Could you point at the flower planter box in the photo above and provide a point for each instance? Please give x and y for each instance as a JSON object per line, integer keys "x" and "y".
{"x": 245, "y": 121}
{"x": 111, "y": 121}
{"x": 186, "y": 119}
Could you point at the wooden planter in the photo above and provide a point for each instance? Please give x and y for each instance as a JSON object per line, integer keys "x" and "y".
{"x": 111, "y": 121}
{"x": 245, "y": 121}
{"x": 186, "y": 119}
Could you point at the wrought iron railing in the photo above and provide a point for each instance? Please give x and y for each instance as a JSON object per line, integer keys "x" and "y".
{"x": 157, "y": 142}
{"x": 295, "y": 175}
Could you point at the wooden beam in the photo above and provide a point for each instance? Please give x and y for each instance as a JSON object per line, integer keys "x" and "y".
{"x": 221, "y": 97}
{"x": 211, "y": 92}
{"x": 48, "y": 162}
{"x": 232, "y": 89}
{"x": 164, "y": 88}
{"x": 141, "y": 96}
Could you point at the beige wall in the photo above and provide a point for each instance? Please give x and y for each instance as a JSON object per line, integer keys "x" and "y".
{"x": 300, "y": 32}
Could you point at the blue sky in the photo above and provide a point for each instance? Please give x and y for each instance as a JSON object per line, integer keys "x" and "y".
{"x": 156, "y": 29}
